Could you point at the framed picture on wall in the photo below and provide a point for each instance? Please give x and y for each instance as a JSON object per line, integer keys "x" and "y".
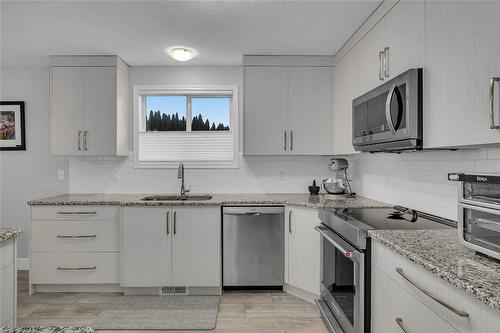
{"x": 12, "y": 127}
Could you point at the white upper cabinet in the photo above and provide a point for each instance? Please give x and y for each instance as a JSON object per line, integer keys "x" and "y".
{"x": 66, "y": 108}
{"x": 89, "y": 105}
{"x": 287, "y": 110}
{"x": 266, "y": 109}
{"x": 345, "y": 89}
{"x": 371, "y": 61}
{"x": 394, "y": 45}
{"x": 310, "y": 110}
{"x": 404, "y": 38}
{"x": 462, "y": 56}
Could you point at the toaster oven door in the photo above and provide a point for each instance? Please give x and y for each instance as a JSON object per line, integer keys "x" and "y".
{"x": 479, "y": 228}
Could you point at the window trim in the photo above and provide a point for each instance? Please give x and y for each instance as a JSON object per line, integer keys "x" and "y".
{"x": 209, "y": 91}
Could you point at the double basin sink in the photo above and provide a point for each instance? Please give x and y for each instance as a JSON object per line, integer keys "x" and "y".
{"x": 170, "y": 197}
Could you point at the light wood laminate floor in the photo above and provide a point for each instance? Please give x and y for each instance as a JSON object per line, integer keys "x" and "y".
{"x": 252, "y": 312}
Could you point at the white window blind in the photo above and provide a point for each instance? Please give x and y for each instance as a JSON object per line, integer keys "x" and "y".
{"x": 186, "y": 146}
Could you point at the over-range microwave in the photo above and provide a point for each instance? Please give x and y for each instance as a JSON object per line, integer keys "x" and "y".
{"x": 389, "y": 117}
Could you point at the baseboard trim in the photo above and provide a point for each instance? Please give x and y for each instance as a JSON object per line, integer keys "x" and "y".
{"x": 23, "y": 264}
{"x": 77, "y": 288}
{"x": 300, "y": 293}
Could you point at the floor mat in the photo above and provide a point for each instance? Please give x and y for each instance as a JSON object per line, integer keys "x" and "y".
{"x": 159, "y": 313}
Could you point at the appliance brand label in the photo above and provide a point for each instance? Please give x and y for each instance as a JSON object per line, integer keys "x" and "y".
{"x": 481, "y": 179}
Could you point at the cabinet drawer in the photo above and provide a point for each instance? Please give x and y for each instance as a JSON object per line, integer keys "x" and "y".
{"x": 70, "y": 213}
{"x": 394, "y": 309}
{"x": 6, "y": 253}
{"x": 75, "y": 268}
{"x": 63, "y": 236}
{"x": 482, "y": 318}
{"x": 6, "y": 294}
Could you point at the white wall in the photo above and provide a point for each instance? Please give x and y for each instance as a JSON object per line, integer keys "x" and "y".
{"x": 419, "y": 179}
{"x": 29, "y": 174}
{"x": 255, "y": 174}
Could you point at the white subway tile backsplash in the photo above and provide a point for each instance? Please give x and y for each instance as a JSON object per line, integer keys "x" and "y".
{"x": 419, "y": 179}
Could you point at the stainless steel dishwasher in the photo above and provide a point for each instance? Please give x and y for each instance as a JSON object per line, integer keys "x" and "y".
{"x": 252, "y": 245}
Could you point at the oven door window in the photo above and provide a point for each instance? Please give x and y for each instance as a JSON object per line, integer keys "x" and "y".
{"x": 482, "y": 228}
{"x": 339, "y": 279}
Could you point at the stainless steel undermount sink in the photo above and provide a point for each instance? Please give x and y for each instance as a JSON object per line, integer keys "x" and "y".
{"x": 173, "y": 197}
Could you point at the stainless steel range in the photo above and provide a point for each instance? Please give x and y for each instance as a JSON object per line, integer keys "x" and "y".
{"x": 345, "y": 260}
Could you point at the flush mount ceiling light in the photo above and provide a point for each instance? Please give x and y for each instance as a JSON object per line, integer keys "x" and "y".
{"x": 181, "y": 53}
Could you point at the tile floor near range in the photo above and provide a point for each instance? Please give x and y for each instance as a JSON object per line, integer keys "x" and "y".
{"x": 262, "y": 312}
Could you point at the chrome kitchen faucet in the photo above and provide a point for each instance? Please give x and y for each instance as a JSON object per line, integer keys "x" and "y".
{"x": 180, "y": 175}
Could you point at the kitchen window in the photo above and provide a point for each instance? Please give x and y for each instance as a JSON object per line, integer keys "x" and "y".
{"x": 197, "y": 126}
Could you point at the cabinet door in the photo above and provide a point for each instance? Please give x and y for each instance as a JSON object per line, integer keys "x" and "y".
{"x": 345, "y": 89}
{"x": 146, "y": 251}
{"x": 7, "y": 294}
{"x": 309, "y": 116}
{"x": 66, "y": 110}
{"x": 303, "y": 249}
{"x": 196, "y": 246}
{"x": 405, "y": 37}
{"x": 391, "y": 302}
{"x": 462, "y": 52}
{"x": 369, "y": 65}
{"x": 100, "y": 110}
{"x": 266, "y": 107}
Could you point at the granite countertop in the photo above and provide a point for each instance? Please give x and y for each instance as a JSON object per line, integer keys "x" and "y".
{"x": 439, "y": 252}
{"x": 292, "y": 199}
{"x": 8, "y": 233}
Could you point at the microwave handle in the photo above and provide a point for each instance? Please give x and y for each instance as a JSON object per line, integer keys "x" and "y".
{"x": 388, "y": 109}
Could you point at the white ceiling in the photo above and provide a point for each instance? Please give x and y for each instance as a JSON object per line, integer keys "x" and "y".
{"x": 140, "y": 31}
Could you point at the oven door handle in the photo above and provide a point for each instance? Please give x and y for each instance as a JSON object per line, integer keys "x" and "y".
{"x": 346, "y": 250}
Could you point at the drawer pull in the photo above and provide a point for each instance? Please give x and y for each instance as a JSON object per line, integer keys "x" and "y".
{"x": 399, "y": 321}
{"x": 76, "y": 236}
{"x": 76, "y": 213}
{"x": 76, "y": 268}
{"x": 459, "y": 313}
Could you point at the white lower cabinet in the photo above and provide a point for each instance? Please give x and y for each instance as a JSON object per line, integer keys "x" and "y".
{"x": 8, "y": 288}
{"x": 393, "y": 297}
{"x": 74, "y": 247}
{"x": 395, "y": 310}
{"x": 171, "y": 246}
{"x": 147, "y": 247}
{"x": 302, "y": 250}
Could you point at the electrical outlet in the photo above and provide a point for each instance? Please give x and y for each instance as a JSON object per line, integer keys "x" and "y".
{"x": 281, "y": 174}
{"x": 60, "y": 174}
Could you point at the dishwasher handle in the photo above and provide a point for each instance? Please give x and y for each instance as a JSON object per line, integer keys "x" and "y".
{"x": 252, "y": 211}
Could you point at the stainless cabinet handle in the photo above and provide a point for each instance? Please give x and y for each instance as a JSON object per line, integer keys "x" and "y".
{"x": 290, "y": 221}
{"x": 79, "y": 140}
{"x": 492, "y": 102}
{"x": 284, "y": 139}
{"x": 386, "y": 61}
{"x": 399, "y": 321}
{"x": 76, "y": 236}
{"x": 76, "y": 268}
{"x": 459, "y": 313}
{"x": 175, "y": 223}
{"x": 85, "y": 140}
{"x": 76, "y": 213}
{"x": 291, "y": 140}
{"x": 168, "y": 227}
{"x": 380, "y": 56}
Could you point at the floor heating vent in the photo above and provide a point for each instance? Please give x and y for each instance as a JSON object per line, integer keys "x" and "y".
{"x": 173, "y": 290}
